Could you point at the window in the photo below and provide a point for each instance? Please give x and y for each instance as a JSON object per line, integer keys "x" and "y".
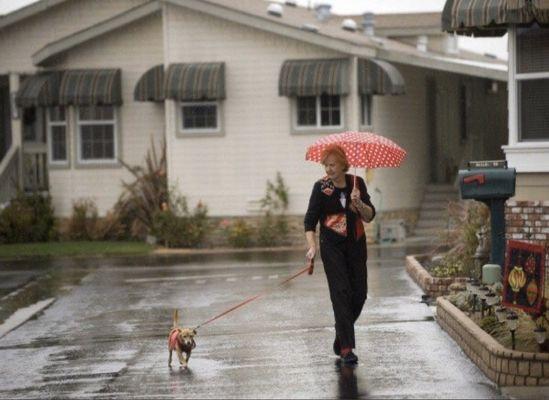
{"x": 532, "y": 75}
{"x": 200, "y": 116}
{"x": 318, "y": 111}
{"x": 57, "y": 135}
{"x": 366, "y": 110}
{"x": 306, "y": 111}
{"x": 97, "y": 134}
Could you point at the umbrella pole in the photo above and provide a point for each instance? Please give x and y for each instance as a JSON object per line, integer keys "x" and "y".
{"x": 354, "y": 180}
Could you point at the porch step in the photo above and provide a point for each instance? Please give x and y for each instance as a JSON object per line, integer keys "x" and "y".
{"x": 433, "y": 216}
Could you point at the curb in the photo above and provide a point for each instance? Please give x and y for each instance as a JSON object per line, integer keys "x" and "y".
{"x": 22, "y": 315}
{"x": 434, "y": 287}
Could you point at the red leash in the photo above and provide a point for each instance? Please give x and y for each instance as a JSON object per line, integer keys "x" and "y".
{"x": 309, "y": 268}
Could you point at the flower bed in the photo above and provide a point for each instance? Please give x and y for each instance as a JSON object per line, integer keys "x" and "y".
{"x": 503, "y": 366}
{"x": 432, "y": 286}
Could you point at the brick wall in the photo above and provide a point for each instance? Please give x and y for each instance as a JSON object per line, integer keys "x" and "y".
{"x": 529, "y": 221}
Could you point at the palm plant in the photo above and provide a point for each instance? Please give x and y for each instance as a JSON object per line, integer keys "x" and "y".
{"x": 143, "y": 197}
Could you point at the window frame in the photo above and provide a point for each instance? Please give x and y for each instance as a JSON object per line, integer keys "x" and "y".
{"x": 526, "y": 156}
{"x": 196, "y": 132}
{"x": 318, "y": 127}
{"x": 516, "y": 104}
{"x": 49, "y": 125}
{"x": 366, "y": 109}
{"x": 80, "y": 123}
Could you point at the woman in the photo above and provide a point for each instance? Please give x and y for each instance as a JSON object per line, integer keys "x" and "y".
{"x": 340, "y": 207}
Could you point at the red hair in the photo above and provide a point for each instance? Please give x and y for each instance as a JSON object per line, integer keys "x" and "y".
{"x": 338, "y": 152}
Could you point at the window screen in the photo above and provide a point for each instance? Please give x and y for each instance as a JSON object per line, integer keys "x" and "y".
{"x": 532, "y": 50}
{"x": 534, "y": 109}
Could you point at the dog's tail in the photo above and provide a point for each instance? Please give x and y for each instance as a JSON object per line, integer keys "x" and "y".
{"x": 175, "y": 319}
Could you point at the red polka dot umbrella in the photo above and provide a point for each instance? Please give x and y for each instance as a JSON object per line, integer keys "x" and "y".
{"x": 363, "y": 149}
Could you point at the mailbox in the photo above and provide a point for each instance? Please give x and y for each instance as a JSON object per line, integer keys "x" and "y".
{"x": 487, "y": 183}
{"x": 491, "y": 182}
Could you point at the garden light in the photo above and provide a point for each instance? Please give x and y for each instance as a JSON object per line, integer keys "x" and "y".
{"x": 540, "y": 334}
{"x": 491, "y": 299}
{"x": 475, "y": 285}
{"x": 501, "y": 314}
{"x": 512, "y": 324}
{"x": 483, "y": 291}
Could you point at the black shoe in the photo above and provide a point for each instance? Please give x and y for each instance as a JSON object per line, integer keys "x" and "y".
{"x": 337, "y": 346}
{"x": 349, "y": 358}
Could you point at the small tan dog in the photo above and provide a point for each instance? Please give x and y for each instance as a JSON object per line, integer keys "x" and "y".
{"x": 182, "y": 341}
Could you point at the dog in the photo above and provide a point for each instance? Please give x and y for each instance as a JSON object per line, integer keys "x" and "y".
{"x": 182, "y": 341}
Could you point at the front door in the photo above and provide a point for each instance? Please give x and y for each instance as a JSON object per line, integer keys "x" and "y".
{"x": 35, "y": 161}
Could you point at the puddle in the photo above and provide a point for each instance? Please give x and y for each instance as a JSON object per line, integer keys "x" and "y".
{"x": 53, "y": 283}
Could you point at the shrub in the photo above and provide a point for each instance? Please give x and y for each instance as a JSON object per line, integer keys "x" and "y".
{"x": 28, "y": 218}
{"x": 461, "y": 241}
{"x": 85, "y": 224}
{"x": 82, "y": 220}
{"x": 273, "y": 227}
{"x": 176, "y": 227}
{"x": 142, "y": 199}
{"x": 240, "y": 234}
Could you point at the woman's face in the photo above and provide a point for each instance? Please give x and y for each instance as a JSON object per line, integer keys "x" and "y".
{"x": 334, "y": 168}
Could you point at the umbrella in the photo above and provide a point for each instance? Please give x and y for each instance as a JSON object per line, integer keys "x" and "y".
{"x": 363, "y": 149}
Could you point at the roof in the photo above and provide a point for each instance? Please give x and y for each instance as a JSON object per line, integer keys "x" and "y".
{"x": 330, "y": 35}
{"x": 402, "y": 24}
{"x": 27, "y": 11}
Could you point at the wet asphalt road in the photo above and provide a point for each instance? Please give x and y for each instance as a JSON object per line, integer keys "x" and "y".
{"x": 105, "y": 335}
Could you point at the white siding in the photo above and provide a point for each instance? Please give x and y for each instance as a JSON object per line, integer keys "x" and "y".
{"x": 402, "y": 119}
{"x": 226, "y": 172}
{"x": 20, "y": 41}
{"x": 134, "y": 48}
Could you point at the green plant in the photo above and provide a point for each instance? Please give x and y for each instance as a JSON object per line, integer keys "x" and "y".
{"x": 524, "y": 335}
{"x": 240, "y": 233}
{"x": 144, "y": 197}
{"x": 28, "y": 218}
{"x": 466, "y": 219}
{"x": 82, "y": 220}
{"x": 489, "y": 323}
{"x": 175, "y": 226}
{"x": 276, "y": 196}
{"x": 85, "y": 223}
{"x": 451, "y": 265}
{"x": 273, "y": 227}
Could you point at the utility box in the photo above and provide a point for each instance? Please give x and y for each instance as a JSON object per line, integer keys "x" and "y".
{"x": 393, "y": 230}
{"x": 491, "y": 182}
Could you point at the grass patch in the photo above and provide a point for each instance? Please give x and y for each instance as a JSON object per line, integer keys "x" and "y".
{"x": 73, "y": 249}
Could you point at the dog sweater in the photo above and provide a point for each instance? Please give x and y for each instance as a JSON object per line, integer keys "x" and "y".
{"x": 172, "y": 339}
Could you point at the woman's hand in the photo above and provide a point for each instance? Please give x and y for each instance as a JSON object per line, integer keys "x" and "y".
{"x": 355, "y": 199}
{"x": 311, "y": 253}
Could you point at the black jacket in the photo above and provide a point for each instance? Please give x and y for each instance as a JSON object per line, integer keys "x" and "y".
{"x": 337, "y": 224}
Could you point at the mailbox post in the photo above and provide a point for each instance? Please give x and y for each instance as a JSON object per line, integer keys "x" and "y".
{"x": 491, "y": 182}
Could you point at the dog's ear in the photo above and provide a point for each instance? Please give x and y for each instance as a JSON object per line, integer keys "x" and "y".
{"x": 194, "y": 332}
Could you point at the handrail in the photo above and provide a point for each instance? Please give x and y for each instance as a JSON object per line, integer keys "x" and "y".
{"x": 9, "y": 173}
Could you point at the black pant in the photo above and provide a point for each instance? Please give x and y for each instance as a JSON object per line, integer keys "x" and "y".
{"x": 345, "y": 267}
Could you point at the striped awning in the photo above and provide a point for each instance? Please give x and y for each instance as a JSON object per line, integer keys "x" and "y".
{"x": 200, "y": 81}
{"x": 150, "y": 86}
{"x": 39, "y": 90}
{"x": 379, "y": 77}
{"x": 491, "y": 17}
{"x": 314, "y": 77}
{"x": 91, "y": 87}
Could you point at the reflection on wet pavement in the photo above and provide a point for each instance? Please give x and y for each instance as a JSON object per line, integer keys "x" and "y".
{"x": 106, "y": 334}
